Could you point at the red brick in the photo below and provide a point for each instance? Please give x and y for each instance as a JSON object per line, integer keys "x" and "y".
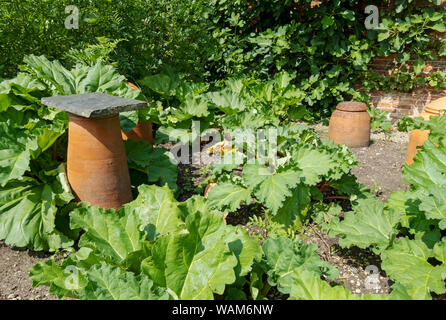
{"x": 383, "y": 105}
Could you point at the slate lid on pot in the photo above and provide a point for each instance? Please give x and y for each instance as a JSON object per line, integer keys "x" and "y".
{"x": 351, "y": 106}
{"x": 93, "y": 105}
{"x": 436, "y": 106}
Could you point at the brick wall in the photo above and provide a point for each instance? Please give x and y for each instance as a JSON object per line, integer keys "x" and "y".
{"x": 410, "y": 103}
{"x": 399, "y": 103}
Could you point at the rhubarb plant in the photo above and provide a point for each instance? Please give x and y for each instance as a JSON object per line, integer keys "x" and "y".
{"x": 408, "y": 230}
{"x": 285, "y": 185}
{"x": 35, "y": 197}
{"x": 174, "y": 250}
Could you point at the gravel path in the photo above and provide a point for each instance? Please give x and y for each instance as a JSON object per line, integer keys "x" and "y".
{"x": 379, "y": 165}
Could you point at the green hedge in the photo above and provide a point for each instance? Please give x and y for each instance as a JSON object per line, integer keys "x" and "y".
{"x": 156, "y": 32}
{"x": 327, "y": 46}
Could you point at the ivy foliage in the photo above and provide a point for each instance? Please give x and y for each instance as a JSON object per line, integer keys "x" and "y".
{"x": 207, "y": 40}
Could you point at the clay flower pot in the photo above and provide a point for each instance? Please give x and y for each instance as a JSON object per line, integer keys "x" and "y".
{"x": 350, "y": 124}
{"x": 142, "y": 131}
{"x": 418, "y": 137}
{"x": 97, "y": 168}
{"x": 97, "y": 165}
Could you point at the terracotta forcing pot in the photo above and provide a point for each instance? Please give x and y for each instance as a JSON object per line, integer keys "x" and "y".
{"x": 350, "y": 124}
{"x": 208, "y": 188}
{"x": 142, "y": 131}
{"x": 96, "y": 161}
{"x": 418, "y": 137}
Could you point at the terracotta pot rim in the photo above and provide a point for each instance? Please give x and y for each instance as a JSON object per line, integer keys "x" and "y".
{"x": 351, "y": 106}
{"x": 436, "y": 106}
{"x": 431, "y": 111}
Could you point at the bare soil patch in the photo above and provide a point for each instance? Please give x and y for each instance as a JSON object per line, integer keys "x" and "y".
{"x": 15, "y": 283}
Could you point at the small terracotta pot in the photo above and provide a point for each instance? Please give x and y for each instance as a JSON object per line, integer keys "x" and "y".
{"x": 96, "y": 162}
{"x": 142, "y": 131}
{"x": 418, "y": 137}
{"x": 350, "y": 124}
{"x": 208, "y": 188}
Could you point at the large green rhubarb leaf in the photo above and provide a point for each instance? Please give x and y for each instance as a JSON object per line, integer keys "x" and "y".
{"x": 196, "y": 264}
{"x": 368, "y": 225}
{"x": 271, "y": 188}
{"x": 156, "y": 163}
{"x": 227, "y": 101}
{"x": 15, "y": 153}
{"x": 246, "y": 249}
{"x": 434, "y": 205}
{"x": 407, "y": 263}
{"x": 113, "y": 233}
{"x": 229, "y": 196}
{"x": 282, "y": 256}
{"x": 440, "y": 250}
{"x": 157, "y": 210}
{"x": 68, "y": 278}
{"x": 237, "y": 238}
{"x": 295, "y": 207}
{"x": 313, "y": 163}
{"x": 82, "y": 276}
{"x": 408, "y": 204}
{"x": 98, "y": 78}
{"x": 192, "y": 107}
{"x": 428, "y": 167}
{"x": 81, "y": 79}
{"x": 162, "y": 84}
{"x": 27, "y": 216}
{"x": 60, "y": 80}
{"x": 116, "y": 261}
{"x": 109, "y": 283}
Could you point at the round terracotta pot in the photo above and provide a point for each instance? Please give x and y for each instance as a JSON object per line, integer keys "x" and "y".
{"x": 416, "y": 140}
{"x": 142, "y": 131}
{"x": 208, "y": 188}
{"x": 418, "y": 137}
{"x": 350, "y": 124}
{"x": 96, "y": 162}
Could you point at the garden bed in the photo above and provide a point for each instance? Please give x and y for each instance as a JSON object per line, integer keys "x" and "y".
{"x": 378, "y": 168}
